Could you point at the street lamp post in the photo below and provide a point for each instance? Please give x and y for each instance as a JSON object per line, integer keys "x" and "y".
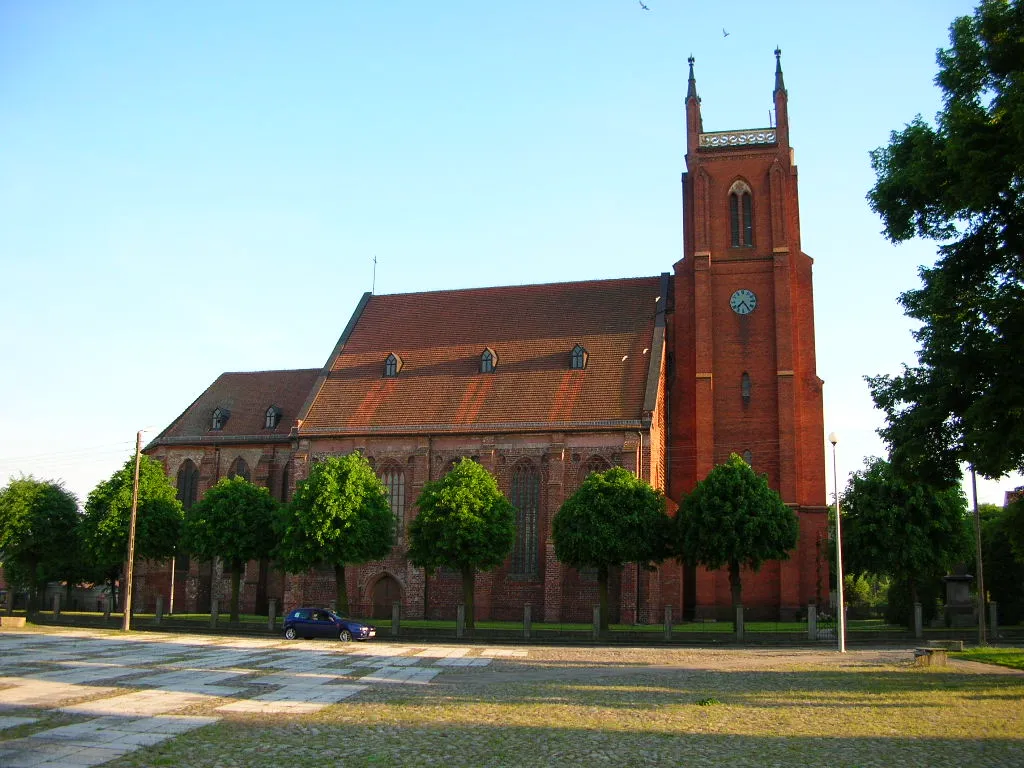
{"x": 126, "y": 620}
{"x": 840, "y": 611}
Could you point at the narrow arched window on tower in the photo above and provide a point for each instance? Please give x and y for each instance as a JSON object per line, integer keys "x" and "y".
{"x": 741, "y": 218}
{"x": 745, "y": 388}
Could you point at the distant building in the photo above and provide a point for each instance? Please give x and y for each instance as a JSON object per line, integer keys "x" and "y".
{"x": 663, "y": 375}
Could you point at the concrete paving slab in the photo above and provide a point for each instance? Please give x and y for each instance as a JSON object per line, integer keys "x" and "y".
{"x": 14, "y": 722}
{"x": 153, "y": 702}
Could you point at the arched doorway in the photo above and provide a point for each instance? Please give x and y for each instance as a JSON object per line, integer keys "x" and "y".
{"x": 385, "y": 592}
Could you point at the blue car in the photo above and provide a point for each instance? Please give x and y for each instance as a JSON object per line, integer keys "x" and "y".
{"x": 323, "y": 622}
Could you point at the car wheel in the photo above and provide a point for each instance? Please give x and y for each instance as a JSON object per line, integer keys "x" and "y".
{"x": 290, "y": 633}
{"x": 344, "y": 635}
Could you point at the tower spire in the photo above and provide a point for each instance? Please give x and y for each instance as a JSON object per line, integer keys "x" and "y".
{"x": 691, "y": 89}
{"x": 779, "y": 84}
{"x": 694, "y": 124}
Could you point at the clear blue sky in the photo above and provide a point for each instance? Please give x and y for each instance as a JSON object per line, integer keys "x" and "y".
{"x": 188, "y": 188}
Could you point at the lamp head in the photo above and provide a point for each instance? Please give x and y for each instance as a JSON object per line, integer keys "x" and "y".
{"x": 833, "y": 438}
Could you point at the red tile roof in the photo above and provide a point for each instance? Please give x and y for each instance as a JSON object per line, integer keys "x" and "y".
{"x": 532, "y": 329}
{"x": 247, "y": 396}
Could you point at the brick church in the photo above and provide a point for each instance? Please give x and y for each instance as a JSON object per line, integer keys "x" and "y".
{"x": 664, "y": 375}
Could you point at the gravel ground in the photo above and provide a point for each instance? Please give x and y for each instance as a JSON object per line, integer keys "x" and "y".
{"x": 625, "y": 706}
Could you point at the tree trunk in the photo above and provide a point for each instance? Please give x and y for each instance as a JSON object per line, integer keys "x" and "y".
{"x": 602, "y": 597}
{"x": 236, "y": 577}
{"x": 468, "y": 579}
{"x": 112, "y": 581}
{"x": 736, "y": 588}
{"x": 341, "y": 589}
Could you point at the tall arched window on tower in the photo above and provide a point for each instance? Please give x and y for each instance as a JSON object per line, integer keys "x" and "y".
{"x": 745, "y": 388}
{"x": 741, "y": 217}
{"x": 525, "y": 497}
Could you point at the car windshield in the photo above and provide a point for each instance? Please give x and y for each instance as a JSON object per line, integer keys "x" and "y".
{"x": 336, "y": 615}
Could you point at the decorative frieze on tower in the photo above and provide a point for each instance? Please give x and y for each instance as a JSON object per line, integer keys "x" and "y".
{"x": 744, "y": 378}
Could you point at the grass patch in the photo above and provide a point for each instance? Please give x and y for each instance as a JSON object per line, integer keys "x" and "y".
{"x": 1003, "y": 657}
{"x": 590, "y": 707}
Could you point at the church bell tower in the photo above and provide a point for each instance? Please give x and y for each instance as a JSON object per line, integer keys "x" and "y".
{"x": 743, "y": 376}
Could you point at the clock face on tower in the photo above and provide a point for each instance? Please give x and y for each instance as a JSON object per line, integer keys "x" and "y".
{"x": 743, "y": 301}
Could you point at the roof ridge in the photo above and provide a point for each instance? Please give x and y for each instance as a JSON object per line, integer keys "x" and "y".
{"x": 598, "y": 281}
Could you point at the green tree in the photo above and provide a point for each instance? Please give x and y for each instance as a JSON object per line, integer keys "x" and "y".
{"x": 38, "y": 531}
{"x": 732, "y": 518}
{"x": 1004, "y": 571}
{"x": 1013, "y": 523}
{"x": 464, "y": 523}
{"x": 960, "y": 183}
{"x": 613, "y": 518}
{"x": 108, "y": 517}
{"x": 233, "y": 521}
{"x": 340, "y": 515}
{"x": 910, "y": 531}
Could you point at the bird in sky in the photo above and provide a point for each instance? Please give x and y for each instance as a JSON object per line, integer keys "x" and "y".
{"x": 642, "y": 5}
{"x": 724, "y": 33}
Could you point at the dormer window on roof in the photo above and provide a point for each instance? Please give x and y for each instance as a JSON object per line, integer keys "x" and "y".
{"x": 393, "y": 365}
{"x": 488, "y": 361}
{"x": 220, "y": 418}
{"x": 579, "y": 358}
{"x": 273, "y": 417}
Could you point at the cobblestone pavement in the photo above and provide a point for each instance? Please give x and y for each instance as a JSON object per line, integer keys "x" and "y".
{"x": 83, "y": 698}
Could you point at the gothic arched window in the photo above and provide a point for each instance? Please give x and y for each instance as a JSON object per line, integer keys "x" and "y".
{"x": 394, "y": 480}
{"x": 525, "y": 497}
{"x": 741, "y": 218}
{"x": 595, "y": 463}
{"x": 220, "y": 418}
{"x": 579, "y": 358}
{"x": 392, "y": 365}
{"x": 273, "y": 417}
{"x": 239, "y": 468}
{"x": 488, "y": 361}
{"x": 188, "y": 484}
{"x": 745, "y": 388}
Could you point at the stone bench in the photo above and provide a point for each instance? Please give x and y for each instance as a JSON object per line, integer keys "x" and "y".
{"x": 10, "y": 622}
{"x": 930, "y": 657}
{"x": 949, "y": 645}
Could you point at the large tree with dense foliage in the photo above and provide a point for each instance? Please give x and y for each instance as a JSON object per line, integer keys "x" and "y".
{"x": 108, "y": 516}
{"x": 340, "y": 515}
{"x": 233, "y": 521}
{"x": 733, "y": 519}
{"x": 464, "y": 523}
{"x": 913, "y": 532}
{"x": 961, "y": 182}
{"x": 38, "y": 533}
{"x": 612, "y": 519}
{"x": 1004, "y": 569}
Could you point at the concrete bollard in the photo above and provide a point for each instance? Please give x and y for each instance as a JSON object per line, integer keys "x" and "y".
{"x": 159, "y": 608}
{"x": 812, "y": 622}
{"x": 460, "y": 621}
{"x": 739, "y": 622}
{"x": 214, "y": 612}
{"x": 396, "y": 618}
{"x": 56, "y": 604}
{"x": 918, "y": 621}
{"x": 597, "y": 622}
{"x": 271, "y": 613}
{"x": 668, "y": 622}
{"x": 527, "y": 620}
